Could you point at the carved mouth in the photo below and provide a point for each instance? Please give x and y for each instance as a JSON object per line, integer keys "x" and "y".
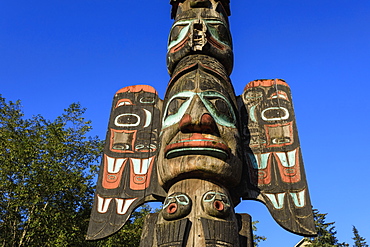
{"x": 197, "y": 144}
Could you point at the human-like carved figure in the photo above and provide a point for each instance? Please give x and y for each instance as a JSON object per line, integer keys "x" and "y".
{"x": 202, "y": 149}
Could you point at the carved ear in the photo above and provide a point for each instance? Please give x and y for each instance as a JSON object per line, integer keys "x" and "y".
{"x": 273, "y": 168}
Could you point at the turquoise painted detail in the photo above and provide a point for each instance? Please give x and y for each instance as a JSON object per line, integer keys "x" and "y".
{"x": 259, "y": 161}
{"x": 291, "y": 161}
{"x": 277, "y": 200}
{"x": 205, "y": 97}
{"x": 299, "y": 198}
{"x": 186, "y": 27}
{"x": 181, "y": 199}
{"x": 211, "y": 196}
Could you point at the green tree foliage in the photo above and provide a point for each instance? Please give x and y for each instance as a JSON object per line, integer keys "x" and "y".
{"x": 256, "y": 238}
{"x": 325, "y": 232}
{"x": 46, "y": 188}
{"x": 359, "y": 241}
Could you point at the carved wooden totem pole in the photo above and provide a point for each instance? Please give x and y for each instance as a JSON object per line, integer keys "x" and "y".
{"x": 202, "y": 149}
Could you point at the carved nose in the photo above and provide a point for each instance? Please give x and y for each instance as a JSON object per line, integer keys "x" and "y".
{"x": 206, "y": 124}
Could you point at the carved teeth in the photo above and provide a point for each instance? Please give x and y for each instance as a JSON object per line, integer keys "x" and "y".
{"x": 299, "y": 198}
{"x": 114, "y": 165}
{"x": 123, "y": 205}
{"x": 103, "y": 204}
{"x": 261, "y": 160}
{"x": 141, "y": 166}
{"x": 291, "y": 155}
{"x": 277, "y": 200}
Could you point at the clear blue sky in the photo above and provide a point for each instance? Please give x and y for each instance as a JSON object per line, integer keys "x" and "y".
{"x": 55, "y": 52}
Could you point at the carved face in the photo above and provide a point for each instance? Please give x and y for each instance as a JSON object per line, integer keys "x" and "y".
{"x": 204, "y": 32}
{"x": 133, "y": 134}
{"x": 176, "y": 205}
{"x": 216, "y": 204}
{"x": 199, "y": 136}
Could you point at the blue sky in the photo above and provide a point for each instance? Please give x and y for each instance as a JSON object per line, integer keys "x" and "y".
{"x": 53, "y": 53}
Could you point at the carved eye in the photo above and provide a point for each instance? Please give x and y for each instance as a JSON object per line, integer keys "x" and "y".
{"x": 176, "y": 206}
{"x": 216, "y": 204}
{"x": 175, "y": 105}
{"x": 127, "y": 120}
{"x": 220, "y": 32}
{"x": 221, "y": 108}
{"x": 175, "y": 32}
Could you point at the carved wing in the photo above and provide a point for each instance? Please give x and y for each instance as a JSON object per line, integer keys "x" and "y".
{"x": 274, "y": 172}
{"x": 128, "y": 176}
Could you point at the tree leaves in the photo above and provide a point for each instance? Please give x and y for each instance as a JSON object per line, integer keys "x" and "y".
{"x": 46, "y": 191}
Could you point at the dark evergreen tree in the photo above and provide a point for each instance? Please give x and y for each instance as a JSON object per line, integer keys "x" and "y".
{"x": 359, "y": 241}
{"x": 325, "y": 232}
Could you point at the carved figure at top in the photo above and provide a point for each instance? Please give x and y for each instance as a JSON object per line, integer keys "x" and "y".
{"x": 201, "y": 27}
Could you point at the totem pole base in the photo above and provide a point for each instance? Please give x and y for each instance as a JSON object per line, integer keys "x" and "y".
{"x": 210, "y": 222}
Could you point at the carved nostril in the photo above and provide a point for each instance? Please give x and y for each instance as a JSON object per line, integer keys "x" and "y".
{"x": 172, "y": 208}
{"x": 219, "y": 206}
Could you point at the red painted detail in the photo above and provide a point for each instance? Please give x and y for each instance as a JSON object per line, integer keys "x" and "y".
{"x": 215, "y": 43}
{"x": 137, "y": 88}
{"x": 114, "y": 132}
{"x": 140, "y": 181}
{"x": 179, "y": 46}
{"x": 260, "y": 176}
{"x": 279, "y": 94}
{"x": 218, "y": 205}
{"x": 123, "y": 102}
{"x": 172, "y": 208}
{"x": 265, "y": 83}
{"x": 197, "y": 140}
{"x": 290, "y": 174}
{"x": 111, "y": 180}
{"x": 206, "y": 124}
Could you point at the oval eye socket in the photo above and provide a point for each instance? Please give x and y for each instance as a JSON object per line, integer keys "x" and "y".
{"x": 127, "y": 120}
{"x": 175, "y": 32}
{"x": 175, "y": 105}
{"x": 147, "y": 98}
{"x": 221, "y": 33}
{"x": 275, "y": 113}
{"x": 222, "y": 108}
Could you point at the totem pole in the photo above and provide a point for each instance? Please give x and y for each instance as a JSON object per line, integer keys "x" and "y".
{"x": 202, "y": 149}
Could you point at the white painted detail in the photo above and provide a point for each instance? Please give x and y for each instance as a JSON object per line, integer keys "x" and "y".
{"x": 127, "y": 125}
{"x": 277, "y": 200}
{"x": 288, "y": 159}
{"x": 141, "y": 166}
{"x": 103, "y": 204}
{"x": 123, "y": 205}
{"x": 262, "y": 160}
{"x": 148, "y": 118}
{"x": 114, "y": 165}
{"x": 285, "y": 117}
{"x": 299, "y": 198}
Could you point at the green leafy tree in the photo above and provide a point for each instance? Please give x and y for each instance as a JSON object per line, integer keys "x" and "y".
{"x": 325, "y": 232}
{"x": 359, "y": 241}
{"x": 46, "y": 185}
{"x": 256, "y": 238}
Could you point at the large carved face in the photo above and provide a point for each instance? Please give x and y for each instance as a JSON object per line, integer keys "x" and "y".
{"x": 199, "y": 135}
